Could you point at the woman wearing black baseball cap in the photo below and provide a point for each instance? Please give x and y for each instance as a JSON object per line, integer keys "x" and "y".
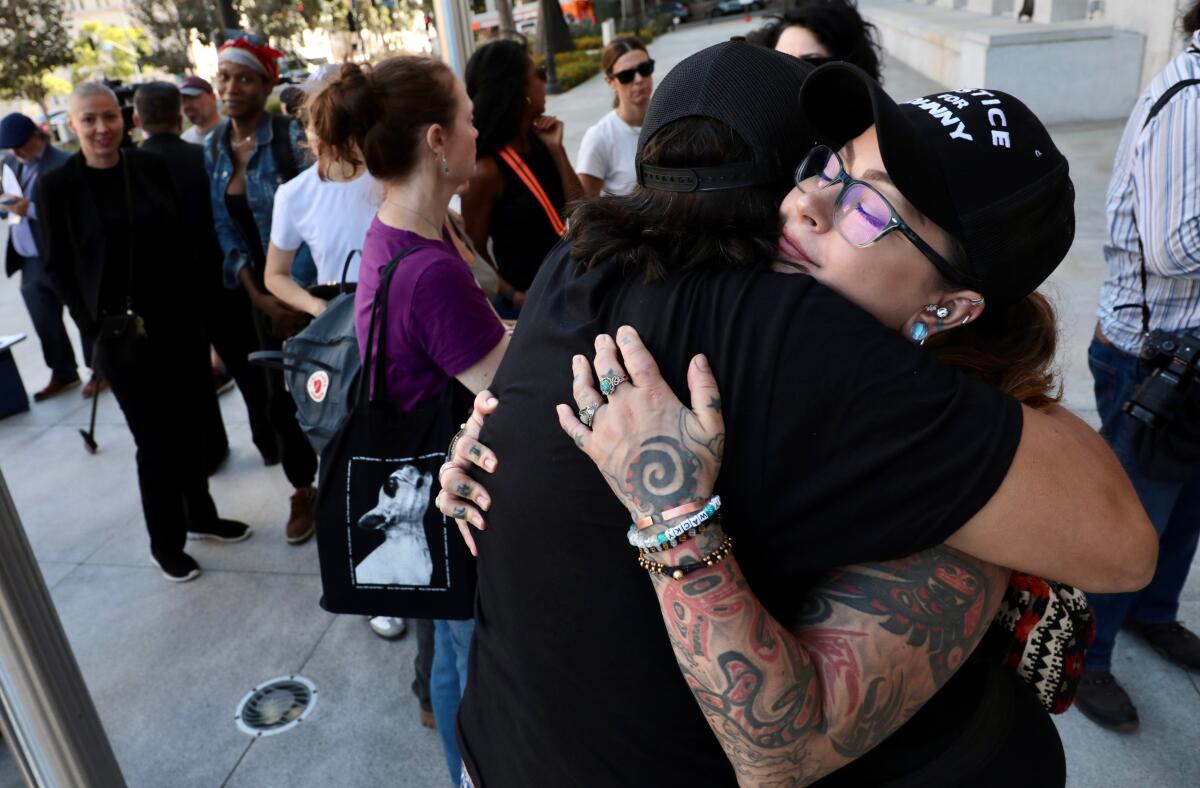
{"x": 847, "y": 446}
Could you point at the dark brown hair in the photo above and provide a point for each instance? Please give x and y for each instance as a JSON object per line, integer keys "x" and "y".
{"x": 1191, "y": 19}
{"x": 1010, "y": 346}
{"x": 655, "y": 231}
{"x": 618, "y": 47}
{"x": 377, "y": 115}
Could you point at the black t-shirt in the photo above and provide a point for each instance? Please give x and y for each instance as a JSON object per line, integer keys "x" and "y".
{"x": 844, "y": 444}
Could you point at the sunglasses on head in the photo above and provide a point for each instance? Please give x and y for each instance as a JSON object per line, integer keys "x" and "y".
{"x": 860, "y": 213}
{"x": 645, "y": 68}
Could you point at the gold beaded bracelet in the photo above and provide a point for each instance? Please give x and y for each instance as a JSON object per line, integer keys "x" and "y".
{"x": 681, "y": 571}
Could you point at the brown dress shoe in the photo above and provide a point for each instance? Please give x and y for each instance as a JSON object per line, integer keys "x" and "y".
{"x": 301, "y": 525}
{"x": 94, "y": 386}
{"x": 55, "y": 387}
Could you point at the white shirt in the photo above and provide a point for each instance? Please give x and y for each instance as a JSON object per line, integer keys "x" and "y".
{"x": 195, "y": 136}
{"x": 331, "y": 217}
{"x": 609, "y": 152}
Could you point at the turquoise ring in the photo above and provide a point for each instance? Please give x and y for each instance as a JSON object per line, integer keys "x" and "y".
{"x": 609, "y": 383}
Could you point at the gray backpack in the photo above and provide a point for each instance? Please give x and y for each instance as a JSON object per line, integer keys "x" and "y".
{"x": 320, "y": 366}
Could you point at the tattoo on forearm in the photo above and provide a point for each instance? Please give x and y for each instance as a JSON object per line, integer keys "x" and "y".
{"x": 872, "y": 644}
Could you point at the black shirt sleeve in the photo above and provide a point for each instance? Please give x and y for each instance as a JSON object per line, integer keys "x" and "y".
{"x": 874, "y": 450}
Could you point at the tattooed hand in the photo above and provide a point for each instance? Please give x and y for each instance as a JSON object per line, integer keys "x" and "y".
{"x": 653, "y": 451}
{"x": 461, "y": 497}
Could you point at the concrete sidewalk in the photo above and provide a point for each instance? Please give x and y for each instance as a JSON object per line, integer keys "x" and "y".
{"x": 167, "y": 664}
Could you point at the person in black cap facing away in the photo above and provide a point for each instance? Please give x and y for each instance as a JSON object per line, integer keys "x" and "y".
{"x": 30, "y": 156}
{"x": 842, "y": 437}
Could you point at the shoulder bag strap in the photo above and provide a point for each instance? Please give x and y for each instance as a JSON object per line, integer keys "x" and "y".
{"x": 129, "y": 211}
{"x": 346, "y": 268}
{"x": 376, "y": 346}
{"x": 517, "y": 165}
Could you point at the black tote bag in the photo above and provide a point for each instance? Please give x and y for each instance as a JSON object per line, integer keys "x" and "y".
{"x": 385, "y": 549}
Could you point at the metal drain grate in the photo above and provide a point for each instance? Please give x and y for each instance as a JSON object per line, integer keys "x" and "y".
{"x": 276, "y": 706}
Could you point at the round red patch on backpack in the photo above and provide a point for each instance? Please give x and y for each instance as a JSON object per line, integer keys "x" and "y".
{"x": 318, "y": 385}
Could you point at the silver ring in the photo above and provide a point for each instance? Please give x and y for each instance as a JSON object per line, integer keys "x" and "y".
{"x": 586, "y": 415}
{"x": 609, "y": 383}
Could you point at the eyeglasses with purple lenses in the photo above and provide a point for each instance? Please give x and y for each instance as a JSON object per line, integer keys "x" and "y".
{"x": 860, "y": 213}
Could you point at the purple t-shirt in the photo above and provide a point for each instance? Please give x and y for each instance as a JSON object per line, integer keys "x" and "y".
{"x": 439, "y": 320}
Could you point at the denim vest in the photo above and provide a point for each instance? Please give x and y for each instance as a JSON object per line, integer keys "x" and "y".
{"x": 262, "y": 179}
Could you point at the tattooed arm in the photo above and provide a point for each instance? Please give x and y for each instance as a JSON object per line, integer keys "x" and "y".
{"x": 788, "y": 703}
{"x": 873, "y": 644}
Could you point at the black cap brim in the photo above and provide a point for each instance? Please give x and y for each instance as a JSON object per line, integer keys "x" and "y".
{"x": 841, "y": 101}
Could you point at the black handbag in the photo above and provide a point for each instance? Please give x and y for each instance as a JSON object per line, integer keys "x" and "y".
{"x": 384, "y": 548}
{"x": 118, "y": 335}
{"x": 327, "y": 291}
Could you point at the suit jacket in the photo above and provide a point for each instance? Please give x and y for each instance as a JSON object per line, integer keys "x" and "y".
{"x": 52, "y": 159}
{"x": 185, "y": 162}
{"x": 166, "y": 283}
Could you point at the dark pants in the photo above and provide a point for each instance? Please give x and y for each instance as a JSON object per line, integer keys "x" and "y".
{"x": 158, "y": 395}
{"x": 299, "y": 459}
{"x": 46, "y": 312}
{"x": 423, "y": 662}
{"x": 1173, "y": 508}
{"x": 231, "y": 331}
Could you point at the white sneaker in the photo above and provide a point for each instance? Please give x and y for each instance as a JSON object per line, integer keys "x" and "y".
{"x": 388, "y": 628}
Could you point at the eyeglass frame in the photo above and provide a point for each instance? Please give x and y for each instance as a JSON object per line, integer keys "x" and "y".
{"x": 636, "y": 70}
{"x": 895, "y": 222}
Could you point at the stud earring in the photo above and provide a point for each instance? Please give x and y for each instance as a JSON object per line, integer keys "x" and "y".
{"x": 940, "y": 312}
{"x": 445, "y": 165}
{"x": 919, "y": 333}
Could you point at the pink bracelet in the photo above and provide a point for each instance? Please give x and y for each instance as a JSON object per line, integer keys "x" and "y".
{"x": 678, "y": 511}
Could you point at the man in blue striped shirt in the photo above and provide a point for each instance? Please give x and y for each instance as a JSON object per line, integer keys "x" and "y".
{"x": 1153, "y": 221}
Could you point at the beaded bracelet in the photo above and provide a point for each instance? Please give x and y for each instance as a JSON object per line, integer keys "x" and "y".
{"x": 683, "y": 570}
{"x": 692, "y": 534}
{"x": 669, "y": 514}
{"x": 672, "y": 534}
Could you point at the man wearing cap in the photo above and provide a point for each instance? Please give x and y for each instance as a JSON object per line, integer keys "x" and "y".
{"x": 30, "y": 156}
{"x": 248, "y": 155}
{"x": 200, "y": 107}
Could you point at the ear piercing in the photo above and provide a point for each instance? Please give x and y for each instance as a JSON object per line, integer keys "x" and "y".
{"x": 445, "y": 165}
{"x": 976, "y": 301}
{"x": 941, "y": 312}
{"x": 919, "y": 332}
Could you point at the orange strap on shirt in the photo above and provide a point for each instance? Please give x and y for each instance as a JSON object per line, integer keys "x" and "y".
{"x": 523, "y": 172}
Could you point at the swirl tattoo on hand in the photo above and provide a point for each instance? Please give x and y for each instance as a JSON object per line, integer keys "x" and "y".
{"x": 663, "y": 473}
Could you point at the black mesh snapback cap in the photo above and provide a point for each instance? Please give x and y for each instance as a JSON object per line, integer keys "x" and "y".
{"x": 749, "y": 88}
{"x": 977, "y": 162}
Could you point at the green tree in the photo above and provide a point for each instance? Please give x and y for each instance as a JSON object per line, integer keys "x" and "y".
{"x": 171, "y": 25}
{"x": 34, "y": 42}
{"x": 109, "y": 52}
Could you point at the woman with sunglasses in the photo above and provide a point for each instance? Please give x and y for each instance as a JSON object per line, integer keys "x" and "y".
{"x": 523, "y": 177}
{"x": 847, "y": 447}
{"x": 609, "y": 148}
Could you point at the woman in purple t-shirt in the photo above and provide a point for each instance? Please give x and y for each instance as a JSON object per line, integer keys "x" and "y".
{"x": 409, "y": 120}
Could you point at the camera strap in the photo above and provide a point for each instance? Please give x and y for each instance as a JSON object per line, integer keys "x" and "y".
{"x": 1162, "y": 101}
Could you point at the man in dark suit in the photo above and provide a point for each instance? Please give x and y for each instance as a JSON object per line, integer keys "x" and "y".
{"x": 30, "y": 156}
{"x": 227, "y": 315}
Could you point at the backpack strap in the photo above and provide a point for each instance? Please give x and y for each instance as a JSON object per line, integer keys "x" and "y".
{"x": 281, "y": 147}
{"x": 517, "y": 165}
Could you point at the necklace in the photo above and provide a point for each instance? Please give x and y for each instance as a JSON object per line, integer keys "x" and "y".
{"x": 249, "y": 138}
{"x": 432, "y": 224}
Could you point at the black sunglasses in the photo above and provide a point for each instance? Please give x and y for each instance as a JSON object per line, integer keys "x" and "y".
{"x": 645, "y": 68}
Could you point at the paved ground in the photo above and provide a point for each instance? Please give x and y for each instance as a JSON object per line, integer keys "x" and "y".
{"x": 167, "y": 664}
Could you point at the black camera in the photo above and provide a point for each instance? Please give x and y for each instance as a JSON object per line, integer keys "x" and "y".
{"x": 1159, "y": 397}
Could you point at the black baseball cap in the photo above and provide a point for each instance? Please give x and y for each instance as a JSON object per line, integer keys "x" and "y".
{"x": 977, "y": 162}
{"x": 749, "y": 88}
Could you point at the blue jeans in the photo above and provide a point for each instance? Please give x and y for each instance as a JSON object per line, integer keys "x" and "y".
{"x": 1173, "y": 508}
{"x": 451, "y": 645}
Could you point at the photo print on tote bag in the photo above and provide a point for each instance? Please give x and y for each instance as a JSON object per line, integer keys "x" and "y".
{"x": 394, "y": 526}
